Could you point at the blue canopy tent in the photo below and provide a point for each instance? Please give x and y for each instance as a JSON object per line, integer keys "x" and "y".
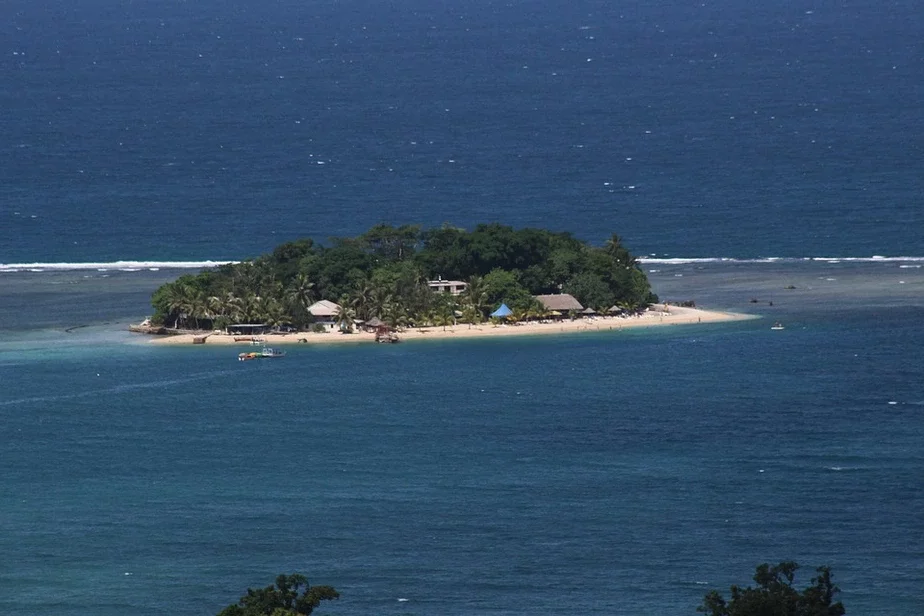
{"x": 503, "y": 311}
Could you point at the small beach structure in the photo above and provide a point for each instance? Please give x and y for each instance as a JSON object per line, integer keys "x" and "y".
{"x": 382, "y": 331}
{"x": 248, "y": 329}
{"x": 560, "y": 302}
{"x": 325, "y": 313}
{"x": 372, "y": 325}
{"x": 502, "y": 312}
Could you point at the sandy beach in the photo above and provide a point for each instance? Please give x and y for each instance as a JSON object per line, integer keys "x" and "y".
{"x": 657, "y": 316}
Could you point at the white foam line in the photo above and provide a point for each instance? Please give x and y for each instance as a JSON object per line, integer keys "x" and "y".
{"x": 128, "y": 266}
{"x": 132, "y": 266}
{"x": 693, "y": 260}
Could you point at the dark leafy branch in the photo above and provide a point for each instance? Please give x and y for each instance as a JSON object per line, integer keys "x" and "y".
{"x": 774, "y": 595}
{"x": 289, "y": 596}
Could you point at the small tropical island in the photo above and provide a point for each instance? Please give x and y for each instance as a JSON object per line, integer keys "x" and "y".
{"x": 412, "y": 281}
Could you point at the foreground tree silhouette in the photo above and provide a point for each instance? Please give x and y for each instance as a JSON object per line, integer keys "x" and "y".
{"x": 774, "y": 595}
{"x": 282, "y": 599}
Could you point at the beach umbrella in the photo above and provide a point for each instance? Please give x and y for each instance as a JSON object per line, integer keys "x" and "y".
{"x": 503, "y": 311}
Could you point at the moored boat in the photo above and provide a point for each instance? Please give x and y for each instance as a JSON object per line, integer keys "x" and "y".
{"x": 266, "y": 352}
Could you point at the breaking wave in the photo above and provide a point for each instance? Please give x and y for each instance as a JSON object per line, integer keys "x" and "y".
{"x": 122, "y": 266}
{"x": 693, "y": 260}
{"x": 137, "y": 266}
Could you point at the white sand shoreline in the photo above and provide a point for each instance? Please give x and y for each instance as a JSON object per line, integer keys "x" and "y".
{"x": 657, "y": 316}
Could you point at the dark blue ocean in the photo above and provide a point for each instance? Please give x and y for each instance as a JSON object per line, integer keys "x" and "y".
{"x": 767, "y": 157}
{"x": 171, "y": 130}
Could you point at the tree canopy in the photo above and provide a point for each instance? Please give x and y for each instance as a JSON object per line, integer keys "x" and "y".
{"x": 384, "y": 273}
{"x": 282, "y": 598}
{"x": 774, "y": 595}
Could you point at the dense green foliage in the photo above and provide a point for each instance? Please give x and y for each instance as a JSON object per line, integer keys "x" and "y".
{"x": 384, "y": 273}
{"x": 282, "y": 599}
{"x": 774, "y": 595}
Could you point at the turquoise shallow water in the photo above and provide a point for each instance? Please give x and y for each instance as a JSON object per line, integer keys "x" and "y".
{"x": 622, "y": 473}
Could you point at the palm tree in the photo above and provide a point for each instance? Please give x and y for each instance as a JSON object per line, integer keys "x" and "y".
{"x": 234, "y": 306}
{"x": 444, "y": 309}
{"x": 443, "y": 319}
{"x": 362, "y": 300}
{"x": 381, "y": 298}
{"x": 394, "y": 314}
{"x": 300, "y": 293}
{"x": 620, "y": 255}
{"x": 250, "y": 308}
{"x": 470, "y": 316}
{"x": 519, "y": 314}
{"x": 216, "y": 306}
{"x": 475, "y": 296}
{"x": 177, "y": 300}
{"x": 273, "y": 313}
{"x": 613, "y": 245}
{"x": 536, "y": 310}
{"x": 246, "y": 279}
{"x": 345, "y": 316}
{"x": 197, "y": 305}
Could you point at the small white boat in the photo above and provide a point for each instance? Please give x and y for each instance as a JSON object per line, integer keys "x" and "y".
{"x": 777, "y": 325}
{"x": 269, "y": 352}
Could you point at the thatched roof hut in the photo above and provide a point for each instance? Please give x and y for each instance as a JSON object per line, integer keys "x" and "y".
{"x": 560, "y": 301}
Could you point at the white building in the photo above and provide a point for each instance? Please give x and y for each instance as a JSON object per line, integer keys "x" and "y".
{"x": 325, "y": 313}
{"x": 456, "y": 287}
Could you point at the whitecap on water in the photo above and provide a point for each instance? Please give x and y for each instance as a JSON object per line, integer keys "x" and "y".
{"x": 103, "y": 267}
